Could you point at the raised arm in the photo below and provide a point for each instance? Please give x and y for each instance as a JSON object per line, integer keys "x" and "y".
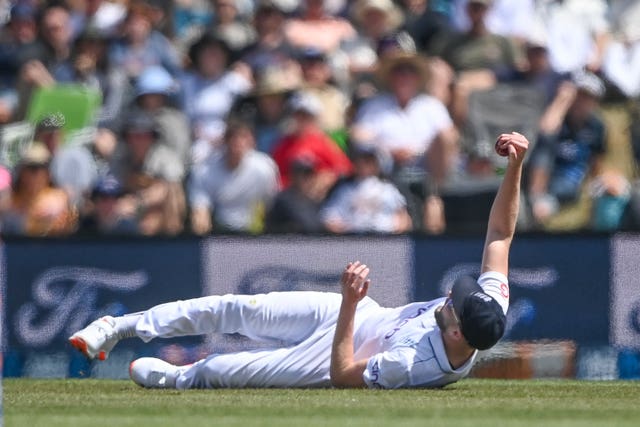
{"x": 345, "y": 371}
{"x": 504, "y": 212}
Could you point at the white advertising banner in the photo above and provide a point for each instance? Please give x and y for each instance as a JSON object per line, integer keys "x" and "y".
{"x": 298, "y": 263}
{"x": 625, "y": 291}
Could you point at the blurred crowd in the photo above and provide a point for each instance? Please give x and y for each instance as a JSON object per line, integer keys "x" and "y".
{"x": 315, "y": 116}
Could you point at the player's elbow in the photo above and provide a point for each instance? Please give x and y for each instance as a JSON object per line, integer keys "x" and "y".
{"x": 346, "y": 376}
{"x": 340, "y": 381}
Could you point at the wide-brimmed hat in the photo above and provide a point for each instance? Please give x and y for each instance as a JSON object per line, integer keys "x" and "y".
{"x": 276, "y": 80}
{"x": 396, "y": 59}
{"x": 393, "y": 13}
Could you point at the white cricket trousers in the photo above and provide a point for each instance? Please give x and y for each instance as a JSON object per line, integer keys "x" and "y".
{"x": 303, "y": 321}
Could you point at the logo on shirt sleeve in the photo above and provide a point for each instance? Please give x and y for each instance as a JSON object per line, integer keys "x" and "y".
{"x": 504, "y": 290}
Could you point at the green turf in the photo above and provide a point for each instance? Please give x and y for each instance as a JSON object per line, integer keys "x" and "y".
{"x": 71, "y": 403}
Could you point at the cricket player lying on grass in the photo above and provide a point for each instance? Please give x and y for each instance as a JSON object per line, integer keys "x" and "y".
{"x": 343, "y": 340}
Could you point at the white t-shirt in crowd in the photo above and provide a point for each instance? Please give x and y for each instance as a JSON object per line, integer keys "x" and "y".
{"x": 413, "y": 127}
{"x": 365, "y": 205}
{"x": 234, "y": 195}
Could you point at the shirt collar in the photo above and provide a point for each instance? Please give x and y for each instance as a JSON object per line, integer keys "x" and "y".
{"x": 435, "y": 338}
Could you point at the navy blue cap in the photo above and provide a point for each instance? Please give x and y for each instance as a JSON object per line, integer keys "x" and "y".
{"x": 482, "y": 321}
{"x": 23, "y": 10}
{"x": 312, "y": 54}
{"x": 107, "y": 186}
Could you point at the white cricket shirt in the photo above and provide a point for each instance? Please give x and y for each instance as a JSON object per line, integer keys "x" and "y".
{"x": 405, "y": 346}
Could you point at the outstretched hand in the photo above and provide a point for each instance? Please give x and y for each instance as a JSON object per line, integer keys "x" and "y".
{"x": 354, "y": 282}
{"x": 512, "y": 144}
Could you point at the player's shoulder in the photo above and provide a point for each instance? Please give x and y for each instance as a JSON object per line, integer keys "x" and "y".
{"x": 496, "y": 285}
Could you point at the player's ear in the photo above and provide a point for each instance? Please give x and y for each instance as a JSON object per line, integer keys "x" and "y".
{"x": 456, "y": 333}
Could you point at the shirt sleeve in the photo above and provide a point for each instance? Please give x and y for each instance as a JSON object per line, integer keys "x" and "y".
{"x": 496, "y": 286}
{"x": 389, "y": 369}
{"x": 439, "y": 116}
{"x": 404, "y": 367}
{"x": 199, "y": 197}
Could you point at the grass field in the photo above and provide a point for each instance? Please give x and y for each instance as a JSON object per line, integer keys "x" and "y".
{"x": 70, "y": 403}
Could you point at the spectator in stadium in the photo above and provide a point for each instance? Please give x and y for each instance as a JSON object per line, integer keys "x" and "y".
{"x": 296, "y": 209}
{"x": 317, "y": 28}
{"x": 577, "y": 31}
{"x": 154, "y": 91}
{"x": 569, "y": 150}
{"x": 424, "y": 24}
{"x": 72, "y": 167}
{"x": 54, "y": 52}
{"x": 266, "y": 106}
{"x": 479, "y": 57}
{"x": 107, "y": 216}
{"x": 229, "y": 27}
{"x": 232, "y": 189}
{"x": 140, "y": 46}
{"x": 307, "y": 140}
{"x": 509, "y": 18}
{"x": 537, "y": 71}
{"x": 55, "y": 33}
{"x": 318, "y": 81}
{"x": 100, "y": 15}
{"x": 374, "y": 20}
{"x": 365, "y": 202}
{"x": 38, "y": 208}
{"x": 209, "y": 90}
{"x": 621, "y": 62}
{"x": 271, "y": 48}
{"x": 415, "y": 129}
{"x": 151, "y": 175}
{"x": 89, "y": 66}
{"x": 18, "y": 45}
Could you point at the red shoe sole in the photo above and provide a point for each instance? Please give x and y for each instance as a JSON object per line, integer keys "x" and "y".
{"x": 79, "y": 344}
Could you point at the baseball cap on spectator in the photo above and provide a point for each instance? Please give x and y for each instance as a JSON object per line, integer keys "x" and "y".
{"x": 107, "y": 186}
{"x": 155, "y": 80}
{"x": 23, "y": 11}
{"x": 589, "y": 83}
{"x": 304, "y": 102}
{"x": 482, "y": 321}
{"x": 363, "y": 150}
{"x": 537, "y": 38}
{"x": 140, "y": 122}
{"x": 395, "y": 42}
{"x": 384, "y": 161}
{"x": 393, "y": 14}
{"x": 303, "y": 164}
{"x": 311, "y": 54}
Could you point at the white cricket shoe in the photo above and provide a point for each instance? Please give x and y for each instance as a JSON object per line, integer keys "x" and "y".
{"x": 97, "y": 339}
{"x": 150, "y": 372}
